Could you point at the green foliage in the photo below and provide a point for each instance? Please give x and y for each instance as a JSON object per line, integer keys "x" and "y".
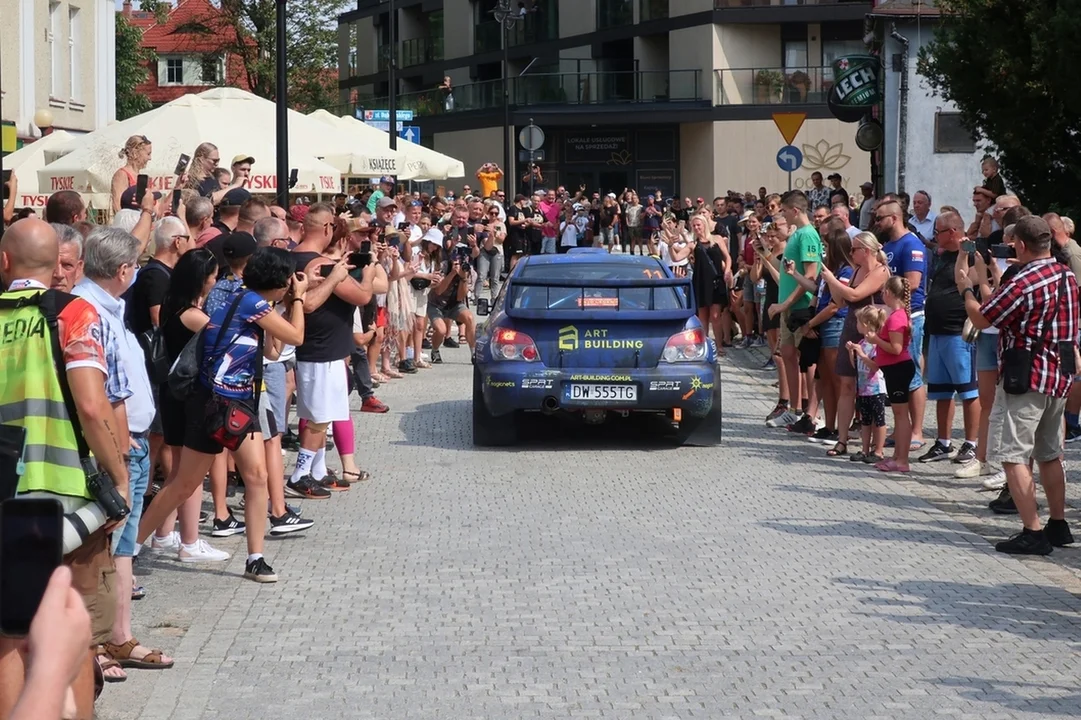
{"x": 1009, "y": 68}
{"x": 131, "y": 61}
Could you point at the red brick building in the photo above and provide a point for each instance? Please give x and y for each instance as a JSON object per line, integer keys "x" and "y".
{"x": 190, "y": 51}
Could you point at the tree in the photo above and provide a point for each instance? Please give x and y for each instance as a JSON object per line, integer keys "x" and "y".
{"x": 246, "y": 29}
{"x": 1011, "y": 68}
{"x": 131, "y": 62}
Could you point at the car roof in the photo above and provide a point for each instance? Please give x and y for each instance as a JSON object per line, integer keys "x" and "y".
{"x": 584, "y": 256}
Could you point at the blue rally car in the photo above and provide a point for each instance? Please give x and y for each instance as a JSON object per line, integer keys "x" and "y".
{"x": 594, "y": 334}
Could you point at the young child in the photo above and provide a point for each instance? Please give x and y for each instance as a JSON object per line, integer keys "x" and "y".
{"x": 870, "y": 386}
{"x": 892, "y": 356}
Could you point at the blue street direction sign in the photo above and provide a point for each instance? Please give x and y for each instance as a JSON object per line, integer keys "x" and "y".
{"x": 410, "y": 133}
{"x": 384, "y": 115}
{"x": 789, "y": 158}
{"x": 383, "y": 125}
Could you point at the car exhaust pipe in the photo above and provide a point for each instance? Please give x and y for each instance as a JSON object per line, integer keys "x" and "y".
{"x": 550, "y": 404}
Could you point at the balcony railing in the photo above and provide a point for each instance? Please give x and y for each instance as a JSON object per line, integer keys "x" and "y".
{"x": 773, "y": 86}
{"x": 596, "y": 88}
{"x": 419, "y": 51}
{"x": 722, "y": 4}
{"x": 652, "y": 10}
{"x": 614, "y": 13}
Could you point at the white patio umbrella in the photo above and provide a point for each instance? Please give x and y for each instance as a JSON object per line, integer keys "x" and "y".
{"x": 350, "y": 154}
{"x": 25, "y": 162}
{"x": 179, "y": 127}
{"x": 421, "y": 163}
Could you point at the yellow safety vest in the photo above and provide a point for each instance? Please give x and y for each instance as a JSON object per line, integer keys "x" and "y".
{"x": 31, "y": 395}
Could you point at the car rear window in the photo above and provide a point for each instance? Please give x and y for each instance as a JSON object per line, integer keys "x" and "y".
{"x": 578, "y": 294}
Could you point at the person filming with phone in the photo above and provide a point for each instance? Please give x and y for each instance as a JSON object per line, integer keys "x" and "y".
{"x": 55, "y": 374}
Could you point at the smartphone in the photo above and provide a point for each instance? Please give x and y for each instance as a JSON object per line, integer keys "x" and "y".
{"x": 366, "y": 247}
{"x": 31, "y": 548}
{"x": 181, "y": 164}
{"x": 12, "y": 442}
{"x": 7, "y": 178}
{"x": 141, "y": 181}
{"x": 7, "y": 175}
{"x": 176, "y": 200}
{"x": 360, "y": 259}
{"x": 293, "y": 176}
{"x": 394, "y": 241}
{"x": 968, "y": 246}
{"x": 326, "y": 270}
{"x": 1003, "y": 251}
{"x": 403, "y": 225}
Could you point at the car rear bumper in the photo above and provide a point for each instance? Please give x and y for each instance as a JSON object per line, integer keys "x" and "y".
{"x": 509, "y": 387}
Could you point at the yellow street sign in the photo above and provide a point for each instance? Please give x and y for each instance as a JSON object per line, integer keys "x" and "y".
{"x": 789, "y": 125}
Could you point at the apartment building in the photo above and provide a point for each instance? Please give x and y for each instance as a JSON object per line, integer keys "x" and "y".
{"x": 57, "y": 56}
{"x": 671, "y": 94}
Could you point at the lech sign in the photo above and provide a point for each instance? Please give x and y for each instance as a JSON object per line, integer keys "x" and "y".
{"x": 855, "y": 89}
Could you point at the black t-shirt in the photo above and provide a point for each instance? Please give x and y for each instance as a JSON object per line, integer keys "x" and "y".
{"x": 534, "y": 232}
{"x": 516, "y": 233}
{"x": 607, "y": 215}
{"x": 450, "y": 295}
{"x": 148, "y": 290}
{"x": 945, "y": 306}
{"x": 328, "y": 330}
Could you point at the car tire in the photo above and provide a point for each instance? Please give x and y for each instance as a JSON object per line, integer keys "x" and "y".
{"x": 707, "y": 431}
{"x": 489, "y": 430}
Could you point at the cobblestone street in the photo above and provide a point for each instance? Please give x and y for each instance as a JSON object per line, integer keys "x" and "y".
{"x": 617, "y": 577}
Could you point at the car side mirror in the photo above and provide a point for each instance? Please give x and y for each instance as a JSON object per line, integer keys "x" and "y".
{"x": 482, "y": 307}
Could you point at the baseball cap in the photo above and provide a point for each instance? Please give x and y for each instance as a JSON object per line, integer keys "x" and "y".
{"x": 612, "y": 195}
{"x": 235, "y": 198}
{"x": 833, "y": 176}
{"x": 127, "y": 198}
{"x": 867, "y": 184}
{"x": 385, "y": 202}
{"x": 298, "y": 212}
{"x": 243, "y": 159}
{"x": 747, "y": 215}
{"x": 387, "y": 179}
{"x": 238, "y": 245}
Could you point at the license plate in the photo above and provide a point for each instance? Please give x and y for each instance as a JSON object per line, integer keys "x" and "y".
{"x": 606, "y": 393}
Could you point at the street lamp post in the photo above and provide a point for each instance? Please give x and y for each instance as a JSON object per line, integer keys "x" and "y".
{"x": 507, "y": 18}
{"x": 282, "y": 99}
{"x": 392, "y": 77}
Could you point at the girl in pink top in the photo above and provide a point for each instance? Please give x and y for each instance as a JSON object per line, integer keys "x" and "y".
{"x": 892, "y": 356}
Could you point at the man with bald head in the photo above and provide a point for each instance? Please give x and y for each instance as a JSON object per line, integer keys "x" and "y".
{"x": 29, "y": 253}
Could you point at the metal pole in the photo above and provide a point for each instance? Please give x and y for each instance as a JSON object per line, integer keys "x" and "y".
{"x": 392, "y": 77}
{"x": 530, "y": 163}
{"x": 282, "y": 100}
{"x": 506, "y": 105}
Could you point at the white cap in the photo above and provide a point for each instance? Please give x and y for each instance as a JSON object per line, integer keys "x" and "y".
{"x": 433, "y": 236}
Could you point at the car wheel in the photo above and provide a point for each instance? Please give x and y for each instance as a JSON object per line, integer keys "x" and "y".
{"x": 489, "y": 430}
{"x": 704, "y": 432}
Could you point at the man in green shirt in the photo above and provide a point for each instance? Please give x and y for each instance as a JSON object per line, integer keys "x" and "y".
{"x": 802, "y": 256}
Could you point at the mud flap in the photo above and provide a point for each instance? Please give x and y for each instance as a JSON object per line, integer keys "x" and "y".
{"x": 708, "y": 431}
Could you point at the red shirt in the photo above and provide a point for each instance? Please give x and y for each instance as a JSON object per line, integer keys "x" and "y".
{"x": 896, "y": 322}
{"x": 1037, "y": 309}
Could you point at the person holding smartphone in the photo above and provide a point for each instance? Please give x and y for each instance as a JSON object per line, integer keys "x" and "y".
{"x": 136, "y": 155}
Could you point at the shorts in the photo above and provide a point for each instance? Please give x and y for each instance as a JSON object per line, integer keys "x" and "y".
{"x": 450, "y": 312}
{"x": 174, "y": 416}
{"x": 1026, "y": 426}
{"x": 548, "y": 246}
{"x": 789, "y": 338}
{"x": 769, "y": 323}
{"x": 381, "y": 317}
{"x": 272, "y": 401}
{"x": 420, "y": 301}
{"x": 987, "y": 352}
{"x": 138, "y": 478}
{"x": 155, "y": 424}
{"x": 915, "y": 349}
{"x": 830, "y": 332}
{"x": 950, "y": 369}
{"x": 93, "y": 574}
{"x": 898, "y": 380}
{"x": 196, "y": 436}
{"x": 322, "y": 391}
{"x": 872, "y": 410}
{"x": 809, "y": 350}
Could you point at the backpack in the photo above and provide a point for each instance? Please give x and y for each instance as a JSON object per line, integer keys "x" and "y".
{"x": 151, "y": 341}
{"x": 184, "y": 373}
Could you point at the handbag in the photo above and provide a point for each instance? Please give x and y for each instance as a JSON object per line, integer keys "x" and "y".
{"x": 420, "y": 283}
{"x": 230, "y": 420}
{"x": 1017, "y": 361}
{"x": 719, "y": 285}
{"x": 185, "y": 370}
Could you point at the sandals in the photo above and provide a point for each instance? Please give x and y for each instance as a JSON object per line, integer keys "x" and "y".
{"x": 138, "y": 592}
{"x": 378, "y": 377}
{"x": 122, "y": 655}
{"x": 392, "y": 374}
{"x": 104, "y": 662}
{"x": 423, "y": 365}
{"x": 354, "y": 477}
{"x": 860, "y": 457}
{"x": 838, "y": 450}
{"x": 891, "y": 466}
{"x": 872, "y": 459}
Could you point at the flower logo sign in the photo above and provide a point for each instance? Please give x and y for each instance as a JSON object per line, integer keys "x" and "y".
{"x": 621, "y": 157}
{"x": 823, "y": 156}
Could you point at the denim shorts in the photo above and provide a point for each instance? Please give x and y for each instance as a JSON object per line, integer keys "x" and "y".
{"x": 987, "y": 352}
{"x": 830, "y": 332}
{"x": 950, "y": 368}
{"x": 915, "y": 349}
{"x": 138, "y": 477}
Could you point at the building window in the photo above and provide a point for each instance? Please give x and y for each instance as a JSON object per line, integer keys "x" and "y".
{"x": 210, "y": 69}
{"x": 55, "y": 57}
{"x": 951, "y": 136}
{"x": 174, "y": 71}
{"x": 74, "y": 52}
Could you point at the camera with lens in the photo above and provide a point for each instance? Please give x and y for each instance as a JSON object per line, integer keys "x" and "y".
{"x": 463, "y": 255}
{"x": 104, "y": 491}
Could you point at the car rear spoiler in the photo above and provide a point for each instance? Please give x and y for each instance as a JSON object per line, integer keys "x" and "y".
{"x": 584, "y": 312}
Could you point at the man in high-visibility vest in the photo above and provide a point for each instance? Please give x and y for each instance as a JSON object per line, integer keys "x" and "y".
{"x": 55, "y": 398}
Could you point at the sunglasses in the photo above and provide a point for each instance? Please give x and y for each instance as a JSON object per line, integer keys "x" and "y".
{"x": 882, "y": 217}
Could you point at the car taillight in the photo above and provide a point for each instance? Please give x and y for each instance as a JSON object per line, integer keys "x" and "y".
{"x": 513, "y": 345}
{"x": 686, "y": 346}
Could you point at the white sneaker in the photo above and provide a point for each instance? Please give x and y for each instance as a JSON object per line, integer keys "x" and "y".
{"x": 973, "y": 469}
{"x": 996, "y": 481}
{"x": 783, "y": 420}
{"x": 168, "y": 544}
{"x": 203, "y": 552}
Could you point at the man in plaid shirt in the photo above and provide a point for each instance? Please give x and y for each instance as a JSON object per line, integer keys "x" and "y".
{"x": 1036, "y": 309}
